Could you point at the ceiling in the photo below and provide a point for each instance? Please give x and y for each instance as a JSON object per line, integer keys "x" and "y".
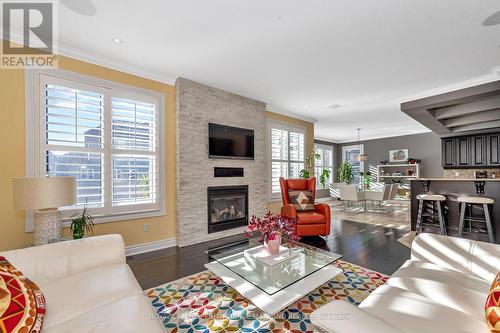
{"x": 299, "y": 57}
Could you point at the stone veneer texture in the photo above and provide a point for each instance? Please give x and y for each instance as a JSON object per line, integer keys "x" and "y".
{"x": 198, "y": 105}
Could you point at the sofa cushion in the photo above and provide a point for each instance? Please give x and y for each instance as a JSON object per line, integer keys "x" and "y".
{"x": 301, "y": 200}
{"x": 310, "y": 218}
{"x": 22, "y": 304}
{"x": 413, "y": 313}
{"x": 81, "y": 293}
{"x": 131, "y": 314}
{"x": 492, "y": 307}
{"x": 460, "y": 291}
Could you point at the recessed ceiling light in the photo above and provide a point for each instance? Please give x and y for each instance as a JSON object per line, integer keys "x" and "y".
{"x": 333, "y": 106}
{"x": 82, "y": 7}
{"x": 117, "y": 40}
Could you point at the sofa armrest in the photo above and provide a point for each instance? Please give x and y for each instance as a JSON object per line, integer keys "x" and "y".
{"x": 464, "y": 255}
{"x": 46, "y": 263}
{"x": 324, "y": 209}
{"x": 289, "y": 211}
{"x": 344, "y": 317}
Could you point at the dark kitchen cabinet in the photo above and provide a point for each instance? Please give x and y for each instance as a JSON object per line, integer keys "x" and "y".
{"x": 471, "y": 151}
{"x": 448, "y": 152}
{"x": 493, "y": 149}
{"x": 478, "y": 150}
{"x": 463, "y": 151}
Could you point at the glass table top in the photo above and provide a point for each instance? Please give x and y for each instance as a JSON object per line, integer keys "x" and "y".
{"x": 295, "y": 262}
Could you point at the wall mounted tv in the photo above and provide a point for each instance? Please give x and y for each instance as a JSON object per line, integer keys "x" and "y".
{"x": 230, "y": 142}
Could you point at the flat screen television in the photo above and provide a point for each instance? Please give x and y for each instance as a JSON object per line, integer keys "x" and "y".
{"x": 230, "y": 142}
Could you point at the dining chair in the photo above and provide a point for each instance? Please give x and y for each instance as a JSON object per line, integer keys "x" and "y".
{"x": 349, "y": 194}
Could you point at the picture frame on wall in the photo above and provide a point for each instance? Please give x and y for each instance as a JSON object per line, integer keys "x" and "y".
{"x": 398, "y": 155}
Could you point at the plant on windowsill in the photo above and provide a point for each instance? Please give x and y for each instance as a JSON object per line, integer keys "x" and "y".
{"x": 272, "y": 229}
{"x": 309, "y": 169}
{"x": 82, "y": 223}
{"x": 344, "y": 173}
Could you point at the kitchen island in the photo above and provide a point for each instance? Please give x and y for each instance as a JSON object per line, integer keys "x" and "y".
{"x": 452, "y": 189}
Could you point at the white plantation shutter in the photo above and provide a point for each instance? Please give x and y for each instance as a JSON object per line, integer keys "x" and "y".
{"x": 73, "y": 140}
{"x": 287, "y": 153}
{"x": 325, "y": 162}
{"x": 134, "y": 145}
{"x": 296, "y": 153}
{"x": 109, "y": 139}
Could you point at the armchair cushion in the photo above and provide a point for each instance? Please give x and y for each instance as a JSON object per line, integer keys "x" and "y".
{"x": 311, "y": 218}
{"x": 302, "y": 200}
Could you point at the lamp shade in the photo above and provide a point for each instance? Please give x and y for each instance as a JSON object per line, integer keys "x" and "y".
{"x": 44, "y": 192}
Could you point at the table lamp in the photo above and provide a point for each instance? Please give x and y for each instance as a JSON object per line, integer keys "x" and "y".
{"x": 45, "y": 194}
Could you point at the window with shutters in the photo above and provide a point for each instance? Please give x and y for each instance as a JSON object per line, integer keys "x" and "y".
{"x": 287, "y": 153}
{"x": 325, "y": 162}
{"x": 106, "y": 135}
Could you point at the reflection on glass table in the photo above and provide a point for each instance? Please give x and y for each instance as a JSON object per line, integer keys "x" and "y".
{"x": 297, "y": 261}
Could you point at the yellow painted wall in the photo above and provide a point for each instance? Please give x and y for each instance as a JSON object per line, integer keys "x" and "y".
{"x": 12, "y": 145}
{"x": 275, "y": 206}
{"x": 12, "y": 234}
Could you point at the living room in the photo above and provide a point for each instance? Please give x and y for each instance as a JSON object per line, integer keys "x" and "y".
{"x": 274, "y": 166}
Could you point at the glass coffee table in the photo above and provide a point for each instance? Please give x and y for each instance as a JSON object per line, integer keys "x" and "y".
{"x": 272, "y": 282}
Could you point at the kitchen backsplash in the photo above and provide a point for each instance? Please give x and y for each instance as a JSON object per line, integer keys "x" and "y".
{"x": 468, "y": 173}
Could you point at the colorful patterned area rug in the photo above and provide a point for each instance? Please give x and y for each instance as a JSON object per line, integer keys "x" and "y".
{"x": 203, "y": 303}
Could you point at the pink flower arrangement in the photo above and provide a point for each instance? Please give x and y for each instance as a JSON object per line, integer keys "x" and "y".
{"x": 271, "y": 227}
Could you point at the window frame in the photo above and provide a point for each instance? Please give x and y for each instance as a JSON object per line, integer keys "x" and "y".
{"x": 361, "y": 148}
{"x": 275, "y": 196}
{"x": 35, "y": 140}
{"x": 323, "y": 165}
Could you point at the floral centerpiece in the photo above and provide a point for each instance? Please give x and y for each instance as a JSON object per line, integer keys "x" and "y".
{"x": 272, "y": 229}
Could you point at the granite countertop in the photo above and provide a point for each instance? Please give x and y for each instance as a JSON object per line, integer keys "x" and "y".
{"x": 460, "y": 180}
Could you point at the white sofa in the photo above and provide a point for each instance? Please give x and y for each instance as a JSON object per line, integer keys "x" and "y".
{"x": 443, "y": 288}
{"x": 88, "y": 286}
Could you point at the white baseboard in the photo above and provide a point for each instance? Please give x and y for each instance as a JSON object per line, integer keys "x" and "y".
{"x": 153, "y": 246}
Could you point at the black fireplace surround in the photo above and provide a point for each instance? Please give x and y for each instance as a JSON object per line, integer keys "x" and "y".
{"x": 227, "y": 207}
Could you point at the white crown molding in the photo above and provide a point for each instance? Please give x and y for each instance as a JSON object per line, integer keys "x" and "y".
{"x": 385, "y": 136}
{"x": 148, "y": 247}
{"x": 493, "y": 75}
{"x": 320, "y": 138}
{"x": 68, "y": 51}
{"x": 275, "y": 109}
{"x": 112, "y": 64}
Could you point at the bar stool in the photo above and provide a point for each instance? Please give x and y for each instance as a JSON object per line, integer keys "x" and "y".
{"x": 435, "y": 200}
{"x": 470, "y": 202}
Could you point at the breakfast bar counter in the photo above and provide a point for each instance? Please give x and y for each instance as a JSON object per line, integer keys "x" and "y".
{"x": 452, "y": 189}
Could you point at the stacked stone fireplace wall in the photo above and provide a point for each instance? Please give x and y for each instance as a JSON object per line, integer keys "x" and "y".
{"x": 198, "y": 105}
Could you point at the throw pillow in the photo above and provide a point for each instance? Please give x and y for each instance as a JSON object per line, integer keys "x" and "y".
{"x": 492, "y": 307}
{"x": 302, "y": 200}
{"x": 22, "y": 305}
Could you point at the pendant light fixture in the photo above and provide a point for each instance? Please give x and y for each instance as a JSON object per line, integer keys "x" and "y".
{"x": 361, "y": 157}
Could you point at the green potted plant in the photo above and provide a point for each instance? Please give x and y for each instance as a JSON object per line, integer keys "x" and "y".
{"x": 366, "y": 179}
{"x": 344, "y": 173}
{"x": 309, "y": 169}
{"x": 82, "y": 223}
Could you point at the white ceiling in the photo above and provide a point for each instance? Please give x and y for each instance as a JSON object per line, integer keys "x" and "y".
{"x": 365, "y": 55}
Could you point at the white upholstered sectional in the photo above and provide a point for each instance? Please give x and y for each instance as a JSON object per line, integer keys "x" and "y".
{"x": 88, "y": 286}
{"x": 443, "y": 288}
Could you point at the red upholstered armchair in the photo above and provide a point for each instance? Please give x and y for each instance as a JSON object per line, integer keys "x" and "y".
{"x": 311, "y": 223}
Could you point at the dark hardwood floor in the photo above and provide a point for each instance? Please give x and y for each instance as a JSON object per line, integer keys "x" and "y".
{"x": 367, "y": 245}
